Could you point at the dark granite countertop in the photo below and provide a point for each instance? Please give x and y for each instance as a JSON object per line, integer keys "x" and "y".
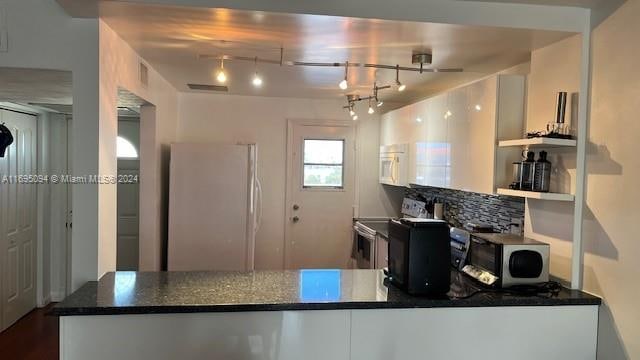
{"x": 184, "y": 292}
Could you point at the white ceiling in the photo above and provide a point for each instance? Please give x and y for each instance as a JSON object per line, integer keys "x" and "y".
{"x": 35, "y": 85}
{"x": 172, "y": 38}
{"x": 576, "y": 3}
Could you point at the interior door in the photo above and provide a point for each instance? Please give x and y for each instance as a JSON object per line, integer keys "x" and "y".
{"x": 128, "y": 223}
{"x": 320, "y": 195}
{"x": 18, "y": 214}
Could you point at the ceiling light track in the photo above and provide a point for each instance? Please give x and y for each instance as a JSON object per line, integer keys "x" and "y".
{"x": 331, "y": 64}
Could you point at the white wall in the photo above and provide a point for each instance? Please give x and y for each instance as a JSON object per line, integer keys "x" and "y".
{"x": 41, "y": 35}
{"x": 554, "y": 68}
{"x": 119, "y": 68}
{"x": 263, "y": 120}
{"x": 613, "y": 166}
{"x": 612, "y": 201}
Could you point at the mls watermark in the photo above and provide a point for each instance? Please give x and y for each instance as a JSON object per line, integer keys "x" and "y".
{"x": 68, "y": 179}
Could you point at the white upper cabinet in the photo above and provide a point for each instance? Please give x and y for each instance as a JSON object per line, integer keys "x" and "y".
{"x": 433, "y": 151}
{"x": 454, "y": 136}
{"x": 458, "y": 134}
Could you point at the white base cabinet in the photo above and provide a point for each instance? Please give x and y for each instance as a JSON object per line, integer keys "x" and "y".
{"x": 523, "y": 333}
{"x": 454, "y": 136}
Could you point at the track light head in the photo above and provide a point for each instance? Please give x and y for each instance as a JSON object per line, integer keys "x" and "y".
{"x": 221, "y": 76}
{"x": 257, "y": 80}
{"x": 400, "y": 85}
{"x": 344, "y": 83}
{"x": 355, "y": 117}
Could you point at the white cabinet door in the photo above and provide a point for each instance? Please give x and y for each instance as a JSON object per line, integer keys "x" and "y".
{"x": 500, "y": 333}
{"x": 436, "y": 148}
{"x": 482, "y": 132}
{"x": 419, "y": 112}
{"x": 458, "y": 135}
{"x": 273, "y": 335}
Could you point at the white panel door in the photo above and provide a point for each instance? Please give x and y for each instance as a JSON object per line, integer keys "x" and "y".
{"x": 18, "y": 224}
{"x": 128, "y": 223}
{"x": 320, "y": 195}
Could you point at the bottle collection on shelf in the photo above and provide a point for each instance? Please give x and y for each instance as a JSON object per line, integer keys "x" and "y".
{"x": 530, "y": 174}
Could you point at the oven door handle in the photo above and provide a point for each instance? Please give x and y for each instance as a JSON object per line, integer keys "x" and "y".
{"x": 478, "y": 241}
{"x": 366, "y": 235}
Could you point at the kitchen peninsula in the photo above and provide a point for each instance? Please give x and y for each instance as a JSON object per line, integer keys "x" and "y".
{"x": 316, "y": 314}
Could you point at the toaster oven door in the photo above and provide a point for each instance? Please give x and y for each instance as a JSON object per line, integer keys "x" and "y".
{"x": 525, "y": 264}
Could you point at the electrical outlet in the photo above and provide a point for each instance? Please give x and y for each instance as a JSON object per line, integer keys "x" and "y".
{"x": 517, "y": 226}
{"x": 4, "y": 37}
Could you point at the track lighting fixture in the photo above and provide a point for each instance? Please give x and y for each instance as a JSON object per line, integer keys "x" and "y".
{"x": 351, "y": 112}
{"x": 371, "y": 110}
{"x": 375, "y": 93}
{"x": 400, "y": 85}
{"x": 344, "y": 84}
{"x": 257, "y": 79}
{"x": 355, "y": 117}
{"x": 222, "y": 75}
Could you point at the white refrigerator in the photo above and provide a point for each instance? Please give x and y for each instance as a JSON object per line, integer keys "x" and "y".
{"x": 214, "y": 207}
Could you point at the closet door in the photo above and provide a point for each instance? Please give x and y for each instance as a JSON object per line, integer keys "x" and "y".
{"x": 18, "y": 219}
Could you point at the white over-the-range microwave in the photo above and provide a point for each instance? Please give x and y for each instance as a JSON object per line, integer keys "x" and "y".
{"x": 394, "y": 164}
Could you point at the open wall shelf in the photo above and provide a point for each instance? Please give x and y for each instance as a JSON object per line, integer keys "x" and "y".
{"x": 539, "y": 142}
{"x": 536, "y": 195}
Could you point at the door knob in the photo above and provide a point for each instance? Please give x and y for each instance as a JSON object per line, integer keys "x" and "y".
{"x": 295, "y": 219}
{"x": 296, "y": 207}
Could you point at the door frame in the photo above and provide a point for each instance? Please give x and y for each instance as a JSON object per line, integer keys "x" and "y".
{"x": 291, "y": 123}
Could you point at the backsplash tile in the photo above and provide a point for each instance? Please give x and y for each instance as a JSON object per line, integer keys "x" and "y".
{"x": 461, "y": 207}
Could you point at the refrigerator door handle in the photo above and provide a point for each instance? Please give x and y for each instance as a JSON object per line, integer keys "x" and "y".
{"x": 258, "y": 205}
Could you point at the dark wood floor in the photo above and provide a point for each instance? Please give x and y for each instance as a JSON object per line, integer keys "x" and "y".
{"x": 34, "y": 337}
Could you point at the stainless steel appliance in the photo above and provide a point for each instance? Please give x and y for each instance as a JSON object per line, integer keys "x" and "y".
{"x": 365, "y": 244}
{"x": 504, "y": 260}
{"x": 419, "y": 255}
{"x": 460, "y": 240}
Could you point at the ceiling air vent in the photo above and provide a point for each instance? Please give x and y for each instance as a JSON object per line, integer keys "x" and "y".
{"x": 144, "y": 75}
{"x": 205, "y": 87}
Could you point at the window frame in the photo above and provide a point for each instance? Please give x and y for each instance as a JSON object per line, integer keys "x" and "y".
{"x": 341, "y": 164}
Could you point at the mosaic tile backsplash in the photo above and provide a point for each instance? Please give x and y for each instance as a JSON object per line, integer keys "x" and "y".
{"x": 461, "y": 207}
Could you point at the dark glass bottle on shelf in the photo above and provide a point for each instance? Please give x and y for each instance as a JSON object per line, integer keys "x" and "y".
{"x": 528, "y": 171}
{"x": 542, "y": 173}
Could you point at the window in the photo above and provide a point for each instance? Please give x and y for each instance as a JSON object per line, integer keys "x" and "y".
{"x": 125, "y": 149}
{"x": 323, "y": 163}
